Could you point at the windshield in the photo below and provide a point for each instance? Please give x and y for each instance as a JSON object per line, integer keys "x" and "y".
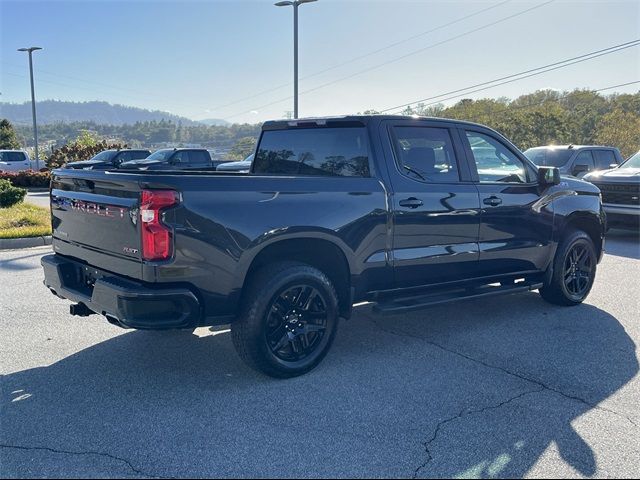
{"x": 549, "y": 157}
{"x": 160, "y": 155}
{"x": 104, "y": 156}
{"x": 633, "y": 162}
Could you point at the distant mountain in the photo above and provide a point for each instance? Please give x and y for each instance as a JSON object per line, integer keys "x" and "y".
{"x": 55, "y": 111}
{"x": 217, "y": 122}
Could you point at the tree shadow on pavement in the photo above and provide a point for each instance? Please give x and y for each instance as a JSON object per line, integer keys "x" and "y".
{"x": 445, "y": 392}
{"x": 19, "y": 263}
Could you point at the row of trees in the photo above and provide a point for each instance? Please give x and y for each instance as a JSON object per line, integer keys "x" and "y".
{"x": 143, "y": 134}
{"x": 551, "y": 117}
{"x": 540, "y": 118}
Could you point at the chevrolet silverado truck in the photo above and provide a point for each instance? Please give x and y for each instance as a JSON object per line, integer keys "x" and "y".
{"x": 620, "y": 189}
{"x": 396, "y": 211}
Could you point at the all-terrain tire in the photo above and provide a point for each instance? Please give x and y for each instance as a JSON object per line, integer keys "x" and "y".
{"x": 266, "y": 297}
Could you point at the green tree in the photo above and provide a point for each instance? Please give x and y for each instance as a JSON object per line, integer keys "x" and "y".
{"x": 620, "y": 129}
{"x": 8, "y": 138}
{"x": 87, "y": 138}
{"x": 243, "y": 148}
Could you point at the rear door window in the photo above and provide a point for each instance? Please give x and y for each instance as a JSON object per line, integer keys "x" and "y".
{"x": 323, "y": 151}
{"x": 123, "y": 157}
{"x": 198, "y": 158}
{"x": 180, "y": 158}
{"x": 426, "y": 154}
{"x": 604, "y": 158}
{"x": 584, "y": 158}
{"x": 138, "y": 154}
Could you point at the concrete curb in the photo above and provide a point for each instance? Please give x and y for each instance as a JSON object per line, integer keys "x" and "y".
{"x": 15, "y": 243}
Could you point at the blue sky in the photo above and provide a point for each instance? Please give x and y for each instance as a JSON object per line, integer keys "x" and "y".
{"x": 194, "y": 58}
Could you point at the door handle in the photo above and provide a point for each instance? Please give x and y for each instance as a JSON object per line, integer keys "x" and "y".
{"x": 410, "y": 202}
{"x": 493, "y": 201}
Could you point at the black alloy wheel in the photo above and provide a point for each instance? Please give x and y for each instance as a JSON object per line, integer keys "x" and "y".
{"x": 578, "y": 268}
{"x": 296, "y": 323}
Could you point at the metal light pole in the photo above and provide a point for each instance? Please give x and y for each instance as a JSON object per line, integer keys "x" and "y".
{"x": 33, "y": 101}
{"x": 295, "y": 4}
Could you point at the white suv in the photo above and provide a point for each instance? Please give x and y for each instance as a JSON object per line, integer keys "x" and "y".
{"x": 14, "y": 161}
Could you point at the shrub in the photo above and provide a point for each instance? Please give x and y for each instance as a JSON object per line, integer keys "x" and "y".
{"x": 79, "y": 150}
{"x": 10, "y": 195}
{"x": 27, "y": 178}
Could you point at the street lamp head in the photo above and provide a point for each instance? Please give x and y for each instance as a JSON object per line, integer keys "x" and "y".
{"x": 283, "y": 4}
{"x": 30, "y": 49}
{"x": 300, "y": 2}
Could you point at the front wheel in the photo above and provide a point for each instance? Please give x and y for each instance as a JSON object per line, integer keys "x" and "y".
{"x": 574, "y": 270}
{"x": 288, "y": 320}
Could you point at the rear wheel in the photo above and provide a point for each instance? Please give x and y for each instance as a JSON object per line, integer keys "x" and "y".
{"x": 574, "y": 270}
{"x": 288, "y": 321}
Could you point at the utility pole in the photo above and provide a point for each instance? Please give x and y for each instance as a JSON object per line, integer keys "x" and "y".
{"x": 33, "y": 101}
{"x": 295, "y": 4}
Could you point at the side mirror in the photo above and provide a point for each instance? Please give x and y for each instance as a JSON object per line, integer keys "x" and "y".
{"x": 578, "y": 169}
{"x": 614, "y": 165}
{"x": 548, "y": 176}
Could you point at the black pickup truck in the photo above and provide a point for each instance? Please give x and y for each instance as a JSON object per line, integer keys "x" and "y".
{"x": 173, "y": 159}
{"x": 398, "y": 211}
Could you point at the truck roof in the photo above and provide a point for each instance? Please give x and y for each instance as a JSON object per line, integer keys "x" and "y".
{"x": 356, "y": 119}
{"x": 573, "y": 147}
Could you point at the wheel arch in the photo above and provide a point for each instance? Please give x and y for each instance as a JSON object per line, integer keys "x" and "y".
{"x": 318, "y": 251}
{"x": 588, "y": 222}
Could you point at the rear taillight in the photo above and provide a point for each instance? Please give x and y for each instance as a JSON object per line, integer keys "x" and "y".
{"x": 157, "y": 238}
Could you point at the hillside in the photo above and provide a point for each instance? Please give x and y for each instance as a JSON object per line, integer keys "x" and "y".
{"x": 101, "y": 113}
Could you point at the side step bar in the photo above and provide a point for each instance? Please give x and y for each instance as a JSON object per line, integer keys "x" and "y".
{"x": 408, "y": 304}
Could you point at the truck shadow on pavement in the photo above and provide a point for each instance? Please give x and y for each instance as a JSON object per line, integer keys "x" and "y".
{"x": 623, "y": 243}
{"x": 477, "y": 389}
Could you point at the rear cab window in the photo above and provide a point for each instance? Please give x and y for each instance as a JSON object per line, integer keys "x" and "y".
{"x": 321, "y": 151}
{"x": 13, "y": 157}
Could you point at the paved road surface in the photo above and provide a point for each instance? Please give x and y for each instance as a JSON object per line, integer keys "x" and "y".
{"x": 509, "y": 387}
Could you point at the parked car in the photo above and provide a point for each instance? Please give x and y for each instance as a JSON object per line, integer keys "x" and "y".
{"x": 575, "y": 160}
{"x": 335, "y": 211}
{"x": 14, "y": 161}
{"x": 620, "y": 188}
{"x": 108, "y": 159}
{"x": 242, "y": 166}
{"x": 173, "y": 159}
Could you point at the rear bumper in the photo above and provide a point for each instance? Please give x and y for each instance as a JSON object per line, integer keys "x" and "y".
{"x": 125, "y": 302}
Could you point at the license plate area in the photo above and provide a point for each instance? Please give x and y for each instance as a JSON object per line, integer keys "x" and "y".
{"x": 80, "y": 278}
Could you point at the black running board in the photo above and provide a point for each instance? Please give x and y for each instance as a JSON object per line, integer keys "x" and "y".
{"x": 407, "y": 304}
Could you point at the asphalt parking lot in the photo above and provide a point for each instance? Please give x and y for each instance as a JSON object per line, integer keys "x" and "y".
{"x": 503, "y": 387}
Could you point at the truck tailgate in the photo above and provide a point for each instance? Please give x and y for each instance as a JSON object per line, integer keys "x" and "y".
{"x": 96, "y": 220}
